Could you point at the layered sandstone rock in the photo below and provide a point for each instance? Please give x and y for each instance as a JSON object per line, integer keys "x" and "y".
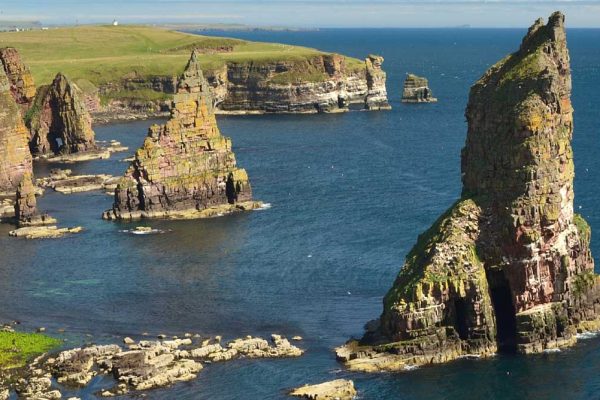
{"x": 508, "y": 267}
{"x": 185, "y": 168}
{"x": 59, "y": 121}
{"x": 15, "y": 159}
{"x": 321, "y": 84}
{"x": 416, "y": 90}
{"x": 22, "y": 86}
{"x": 377, "y": 93}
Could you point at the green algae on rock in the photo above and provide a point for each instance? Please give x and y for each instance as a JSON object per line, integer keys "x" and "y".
{"x": 508, "y": 267}
{"x": 185, "y": 168}
{"x": 16, "y": 348}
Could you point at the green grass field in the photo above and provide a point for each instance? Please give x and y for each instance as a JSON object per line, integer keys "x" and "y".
{"x": 18, "y": 348}
{"x": 103, "y": 54}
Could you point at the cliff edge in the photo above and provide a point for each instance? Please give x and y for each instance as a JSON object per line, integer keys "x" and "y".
{"x": 508, "y": 267}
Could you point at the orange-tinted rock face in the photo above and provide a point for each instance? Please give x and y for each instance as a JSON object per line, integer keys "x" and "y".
{"x": 508, "y": 267}
{"x": 186, "y": 164}
{"x": 22, "y": 86}
{"x": 60, "y": 123}
{"x": 15, "y": 159}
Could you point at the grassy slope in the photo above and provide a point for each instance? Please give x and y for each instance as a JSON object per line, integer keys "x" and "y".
{"x": 104, "y": 54}
{"x": 17, "y": 348}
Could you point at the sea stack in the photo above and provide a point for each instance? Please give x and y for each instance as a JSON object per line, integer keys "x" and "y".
{"x": 185, "y": 168}
{"x": 59, "y": 121}
{"x": 377, "y": 93}
{"x": 15, "y": 159}
{"x": 416, "y": 90}
{"x": 22, "y": 86}
{"x": 508, "y": 266}
{"x": 26, "y": 213}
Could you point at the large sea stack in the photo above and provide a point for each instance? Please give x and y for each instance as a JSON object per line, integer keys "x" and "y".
{"x": 22, "y": 86}
{"x": 185, "y": 168}
{"x": 508, "y": 266}
{"x": 59, "y": 121}
{"x": 15, "y": 159}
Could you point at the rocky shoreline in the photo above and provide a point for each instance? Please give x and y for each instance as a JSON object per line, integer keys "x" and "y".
{"x": 138, "y": 366}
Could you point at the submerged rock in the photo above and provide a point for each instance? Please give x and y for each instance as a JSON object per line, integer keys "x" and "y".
{"x": 339, "y": 389}
{"x": 22, "y": 86}
{"x": 185, "y": 168}
{"x": 15, "y": 158}
{"x": 416, "y": 90}
{"x": 59, "y": 121}
{"x": 508, "y": 267}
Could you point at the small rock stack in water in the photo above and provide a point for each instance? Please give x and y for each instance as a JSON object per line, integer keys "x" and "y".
{"x": 416, "y": 90}
{"x": 508, "y": 266}
{"x": 185, "y": 168}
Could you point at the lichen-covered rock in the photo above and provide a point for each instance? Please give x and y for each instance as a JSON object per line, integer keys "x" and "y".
{"x": 186, "y": 165}
{"x": 509, "y": 265}
{"x": 376, "y": 98}
{"x": 416, "y": 90}
{"x": 59, "y": 121}
{"x": 15, "y": 158}
{"x": 22, "y": 86}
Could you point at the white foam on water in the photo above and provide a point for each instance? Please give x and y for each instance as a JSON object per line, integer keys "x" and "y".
{"x": 550, "y": 351}
{"x": 410, "y": 367}
{"x": 587, "y": 335}
{"x": 265, "y": 206}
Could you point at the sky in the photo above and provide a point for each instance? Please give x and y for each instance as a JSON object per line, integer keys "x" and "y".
{"x": 306, "y": 13}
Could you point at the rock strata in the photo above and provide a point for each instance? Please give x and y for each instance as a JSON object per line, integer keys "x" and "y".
{"x": 339, "y": 389}
{"x": 508, "y": 267}
{"x": 15, "y": 158}
{"x": 376, "y": 98}
{"x": 416, "y": 90}
{"x": 185, "y": 168}
{"x": 59, "y": 121}
{"x": 22, "y": 86}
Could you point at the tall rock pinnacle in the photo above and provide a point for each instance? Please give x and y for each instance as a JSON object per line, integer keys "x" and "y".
{"x": 15, "y": 159}
{"x": 507, "y": 267}
{"x": 59, "y": 120}
{"x": 21, "y": 81}
{"x": 185, "y": 168}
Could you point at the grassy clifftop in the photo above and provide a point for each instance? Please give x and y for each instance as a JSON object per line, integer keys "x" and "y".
{"x": 103, "y": 54}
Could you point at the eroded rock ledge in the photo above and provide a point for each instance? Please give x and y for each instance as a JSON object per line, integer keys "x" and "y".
{"x": 142, "y": 365}
{"x": 185, "y": 168}
{"x": 508, "y": 267}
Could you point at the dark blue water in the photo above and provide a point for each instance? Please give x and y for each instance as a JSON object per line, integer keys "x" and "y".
{"x": 349, "y": 194}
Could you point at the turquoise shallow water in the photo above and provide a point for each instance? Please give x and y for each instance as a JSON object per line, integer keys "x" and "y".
{"x": 349, "y": 194}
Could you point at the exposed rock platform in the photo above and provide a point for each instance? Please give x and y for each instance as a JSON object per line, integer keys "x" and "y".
{"x": 339, "y": 389}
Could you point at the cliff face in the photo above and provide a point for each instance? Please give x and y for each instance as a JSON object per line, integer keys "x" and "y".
{"x": 59, "y": 121}
{"x": 22, "y": 86}
{"x": 508, "y": 267}
{"x": 185, "y": 167}
{"x": 324, "y": 83}
{"x": 15, "y": 159}
{"x": 416, "y": 90}
{"x": 321, "y": 84}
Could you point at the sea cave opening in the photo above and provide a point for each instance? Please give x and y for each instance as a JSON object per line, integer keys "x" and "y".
{"x": 502, "y": 301}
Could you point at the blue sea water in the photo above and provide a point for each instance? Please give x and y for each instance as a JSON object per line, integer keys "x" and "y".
{"x": 349, "y": 195}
